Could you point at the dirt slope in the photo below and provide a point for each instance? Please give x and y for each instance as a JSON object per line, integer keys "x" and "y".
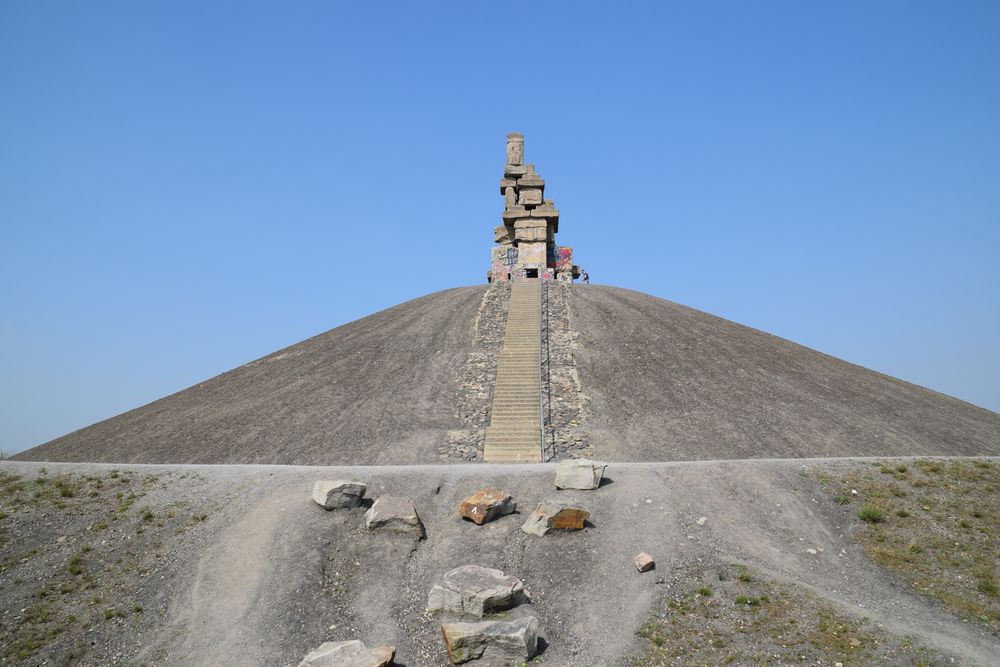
{"x": 376, "y": 390}
{"x": 268, "y": 575}
{"x": 664, "y": 382}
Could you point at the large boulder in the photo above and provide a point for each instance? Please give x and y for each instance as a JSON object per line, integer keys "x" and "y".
{"x": 476, "y": 590}
{"x": 350, "y": 653}
{"x": 581, "y": 474}
{"x": 338, "y": 494}
{"x": 394, "y": 513}
{"x": 486, "y": 504}
{"x": 514, "y": 641}
{"x": 555, "y": 515}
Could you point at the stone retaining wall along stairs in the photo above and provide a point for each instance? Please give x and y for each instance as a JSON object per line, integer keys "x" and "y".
{"x": 515, "y": 432}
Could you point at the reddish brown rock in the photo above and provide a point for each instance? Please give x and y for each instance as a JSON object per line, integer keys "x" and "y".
{"x": 644, "y": 562}
{"x": 554, "y": 515}
{"x": 485, "y": 505}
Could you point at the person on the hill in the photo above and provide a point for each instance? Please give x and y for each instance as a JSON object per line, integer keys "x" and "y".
{"x": 585, "y": 276}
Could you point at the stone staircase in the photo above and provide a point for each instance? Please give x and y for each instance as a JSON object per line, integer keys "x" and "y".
{"x": 515, "y": 431}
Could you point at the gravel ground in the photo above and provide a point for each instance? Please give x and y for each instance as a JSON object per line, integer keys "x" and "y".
{"x": 267, "y": 575}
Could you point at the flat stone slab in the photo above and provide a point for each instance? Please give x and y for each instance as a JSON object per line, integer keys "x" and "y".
{"x": 505, "y": 640}
{"x": 582, "y": 474}
{"x": 555, "y": 515}
{"x": 338, "y": 494}
{"x": 394, "y": 513}
{"x": 486, "y": 504}
{"x": 476, "y": 590}
{"x": 351, "y": 653}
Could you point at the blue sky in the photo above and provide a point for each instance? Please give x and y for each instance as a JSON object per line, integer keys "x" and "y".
{"x": 185, "y": 187}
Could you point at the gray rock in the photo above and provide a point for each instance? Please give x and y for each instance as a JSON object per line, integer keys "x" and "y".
{"x": 338, "y": 494}
{"x": 394, "y": 513}
{"x": 350, "y": 653}
{"x": 476, "y": 590}
{"x": 579, "y": 474}
{"x": 505, "y": 640}
{"x": 555, "y": 515}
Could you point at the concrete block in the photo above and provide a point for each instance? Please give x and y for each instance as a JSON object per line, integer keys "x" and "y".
{"x": 531, "y": 255}
{"x": 530, "y": 223}
{"x": 531, "y": 234}
{"x": 531, "y": 181}
{"x": 510, "y": 197}
{"x": 529, "y": 195}
{"x": 513, "y": 213}
{"x": 503, "y": 234}
{"x": 515, "y": 148}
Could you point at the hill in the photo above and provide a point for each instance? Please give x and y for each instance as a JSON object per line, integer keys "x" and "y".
{"x": 660, "y": 382}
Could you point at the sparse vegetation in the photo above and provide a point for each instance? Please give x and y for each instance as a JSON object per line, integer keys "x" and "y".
{"x": 937, "y": 530}
{"x": 754, "y": 622}
{"x": 871, "y": 513}
{"x": 61, "y": 578}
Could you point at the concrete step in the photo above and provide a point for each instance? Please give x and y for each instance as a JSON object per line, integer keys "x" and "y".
{"x": 514, "y": 434}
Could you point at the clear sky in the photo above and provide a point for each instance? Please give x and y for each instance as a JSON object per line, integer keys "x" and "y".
{"x": 187, "y": 186}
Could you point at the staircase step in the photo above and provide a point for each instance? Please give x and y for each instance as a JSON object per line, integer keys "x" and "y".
{"x": 514, "y": 434}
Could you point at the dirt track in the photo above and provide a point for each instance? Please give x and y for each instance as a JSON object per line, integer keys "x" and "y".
{"x": 275, "y": 572}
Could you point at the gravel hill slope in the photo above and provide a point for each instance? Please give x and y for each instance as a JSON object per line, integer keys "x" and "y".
{"x": 664, "y": 382}
{"x": 667, "y": 382}
{"x": 376, "y": 390}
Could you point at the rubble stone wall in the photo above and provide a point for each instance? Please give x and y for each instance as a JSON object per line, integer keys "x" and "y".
{"x": 478, "y": 377}
{"x": 563, "y": 404}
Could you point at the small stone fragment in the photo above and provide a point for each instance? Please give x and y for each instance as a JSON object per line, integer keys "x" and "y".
{"x": 394, "y": 513}
{"x": 485, "y": 505}
{"x": 644, "y": 562}
{"x": 476, "y": 590}
{"x": 555, "y": 515}
{"x": 581, "y": 474}
{"x": 350, "y": 653}
{"x": 338, "y": 494}
{"x": 504, "y": 640}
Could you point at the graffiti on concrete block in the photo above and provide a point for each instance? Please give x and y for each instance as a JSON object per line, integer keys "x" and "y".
{"x": 532, "y": 255}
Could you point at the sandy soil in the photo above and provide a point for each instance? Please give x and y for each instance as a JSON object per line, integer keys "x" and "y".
{"x": 268, "y": 575}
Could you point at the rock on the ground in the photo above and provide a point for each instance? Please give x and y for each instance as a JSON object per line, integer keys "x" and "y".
{"x": 338, "y": 494}
{"x": 394, "y": 513}
{"x": 579, "y": 474}
{"x": 505, "y": 640}
{"x": 486, "y": 504}
{"x": 476, "y": 590}
{"x": 555, "y": 515}
{"x": 644, "y": 562}
{"x": 350, "y": 653}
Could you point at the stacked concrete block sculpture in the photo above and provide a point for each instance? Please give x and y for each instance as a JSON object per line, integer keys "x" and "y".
{"x": 526, "y": 241}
